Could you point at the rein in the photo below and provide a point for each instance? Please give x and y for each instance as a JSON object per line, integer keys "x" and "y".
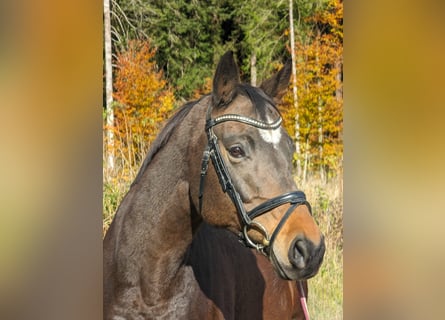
{"x": 213, "y": 152}
{"x": 303, "y": 301}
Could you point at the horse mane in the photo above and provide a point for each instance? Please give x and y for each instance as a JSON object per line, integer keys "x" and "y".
{"x": 165, "y": 134}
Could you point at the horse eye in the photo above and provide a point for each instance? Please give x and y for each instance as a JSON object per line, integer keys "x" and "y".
{"x": 237, "y": 152}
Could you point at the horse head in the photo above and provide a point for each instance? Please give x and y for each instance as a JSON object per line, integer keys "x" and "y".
{"x": 249, "y": 154}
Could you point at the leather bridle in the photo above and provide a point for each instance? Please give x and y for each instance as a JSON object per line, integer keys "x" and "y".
{"x": 212, "y": 151}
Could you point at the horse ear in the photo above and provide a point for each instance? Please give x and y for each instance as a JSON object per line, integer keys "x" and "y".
{"x": 276, "y": 86}
{"x": 225, "y": 79}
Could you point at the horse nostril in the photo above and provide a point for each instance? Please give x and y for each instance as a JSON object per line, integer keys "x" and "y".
{"x": 299, "y": 254}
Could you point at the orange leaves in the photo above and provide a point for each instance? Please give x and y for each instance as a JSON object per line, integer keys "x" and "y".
{"x": 137, "y": 81}
{"x": 319, "y": 90}
{"x": 143, "y": 99}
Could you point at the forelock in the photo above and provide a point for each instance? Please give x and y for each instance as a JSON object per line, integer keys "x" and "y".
{"x": 258, "y": 98}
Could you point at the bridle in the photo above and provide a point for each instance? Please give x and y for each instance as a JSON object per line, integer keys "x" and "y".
{"x": 212, "y": 151}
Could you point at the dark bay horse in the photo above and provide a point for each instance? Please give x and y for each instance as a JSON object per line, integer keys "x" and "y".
{"x": 226, "y": 160}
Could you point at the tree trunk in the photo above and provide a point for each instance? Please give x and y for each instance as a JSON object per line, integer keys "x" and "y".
{"x": 306, "y": 161}
{"x": 108, "y": 87}
{"x": 253, "y": 73}
{"x": 338, "y": 77}
{"x": 339, "y": 91}
{"x": 320, "y": 111}
{"x": 294, "y": 87}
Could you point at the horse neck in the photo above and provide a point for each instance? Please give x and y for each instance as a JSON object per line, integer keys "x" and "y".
{"x": 156, "y": 218}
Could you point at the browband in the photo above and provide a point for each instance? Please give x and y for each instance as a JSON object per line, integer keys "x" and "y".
{"x": 238, "y": 118}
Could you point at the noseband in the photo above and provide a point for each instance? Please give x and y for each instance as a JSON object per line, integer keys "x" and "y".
{"x": 212, "y": 151}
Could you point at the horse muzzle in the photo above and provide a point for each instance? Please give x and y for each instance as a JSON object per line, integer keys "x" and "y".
{"x": 295, "y": 246}
{"x": 303, "y": 260}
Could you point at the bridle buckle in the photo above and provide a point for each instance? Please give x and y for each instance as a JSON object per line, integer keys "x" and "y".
{"x": 260, "y": 228}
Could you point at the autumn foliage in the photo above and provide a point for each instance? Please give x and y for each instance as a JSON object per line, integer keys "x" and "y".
{"x": 319, "y": 93}
{"x": 143, "y": 99}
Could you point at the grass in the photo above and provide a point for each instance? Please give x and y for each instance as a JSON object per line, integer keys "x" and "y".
{"x": 116, "y": 184}
{"x": 325, "y": 300}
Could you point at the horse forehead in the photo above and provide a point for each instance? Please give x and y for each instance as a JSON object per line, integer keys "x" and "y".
{"x": 242, "y": 105}
{"x": 272, "y": 136}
